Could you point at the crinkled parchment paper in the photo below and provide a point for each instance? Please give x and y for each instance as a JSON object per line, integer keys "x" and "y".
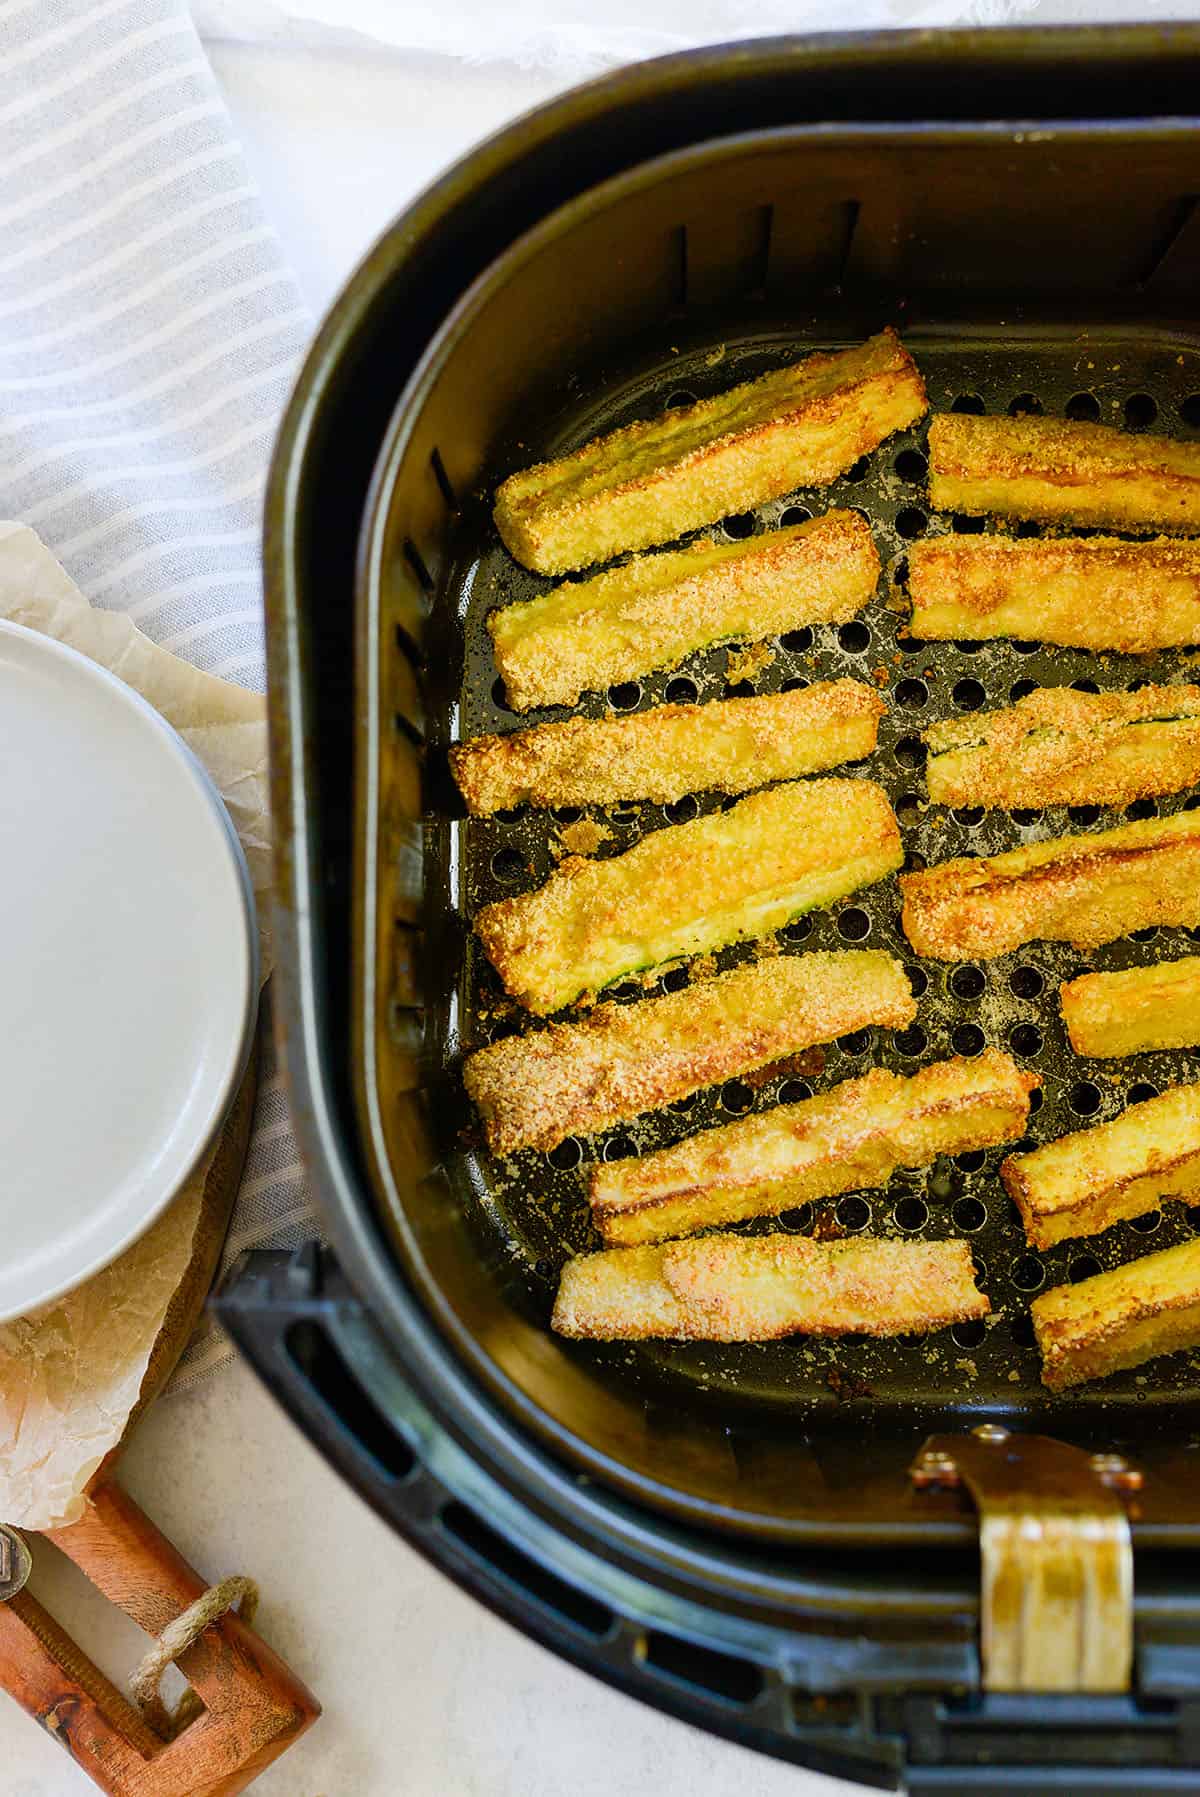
{"x": 71, "y": 1373}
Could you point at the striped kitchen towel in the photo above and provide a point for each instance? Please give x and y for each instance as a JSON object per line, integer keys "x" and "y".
{"x": 149, "y": 332}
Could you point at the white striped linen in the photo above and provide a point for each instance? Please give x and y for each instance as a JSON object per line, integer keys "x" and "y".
{"x": 149, "y": 332}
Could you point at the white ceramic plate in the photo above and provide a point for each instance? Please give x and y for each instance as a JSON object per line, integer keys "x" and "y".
{"x": 128, "y": 967}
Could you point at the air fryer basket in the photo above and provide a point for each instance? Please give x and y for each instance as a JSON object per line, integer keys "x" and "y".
{"x": 1015, "y": 291}
{"x": 836, "y": 1621}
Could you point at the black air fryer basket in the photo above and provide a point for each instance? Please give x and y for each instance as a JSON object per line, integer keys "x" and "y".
{"x": 730, "y": 1532}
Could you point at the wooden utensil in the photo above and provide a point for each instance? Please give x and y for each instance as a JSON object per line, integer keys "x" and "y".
{"x": 255, "y": 1707}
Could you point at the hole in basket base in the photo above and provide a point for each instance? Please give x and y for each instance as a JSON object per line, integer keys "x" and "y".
{"x": 967, "y": 982}
{"x": 854, "y": 925}
{"x": 1140, "y": 411}
{"x": 968, "y": 1334}
{"x": 1025, "y": 982}
{"x": 1028, "y": 1273}
{"x": 736, "y": 1097}
{"x": 682, "y": 691}
{"x": 568, "y": 1154}
{"x": 1084, "y": 1266}
{"x": 853, "y": 1212}
{"x": 1085, "y": 1098}
{"x": 794, "y": 1091}
{"x": 1084, "y": 408}
{"x": 969, "y": 1214}
{"x": 911, "y": 1213}
{"x": 794, "y": 514}
{"x": 1147, "y": 1223}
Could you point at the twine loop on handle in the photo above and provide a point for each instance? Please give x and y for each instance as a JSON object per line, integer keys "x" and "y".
{"x": 175, "y": 1639}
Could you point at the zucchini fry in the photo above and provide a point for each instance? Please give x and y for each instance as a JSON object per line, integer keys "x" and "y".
{"x": 1134, "y": 1012}
{"x": 1119, "y": 1319}
{"x": 801, "y": 426}
{"x": 573, "y": 1078}
{"x": 658, "y": 609}
{"x": 729, "y": 745}
{"x": 1060, "y": 747}
{"x": 1093, "y": 1178}
{"x": 732, "y": 1288}
{"x": 1081, "y": 889}
{"x": 691, "y": 887}
{"x": 851, "y": 1137}
{"x": 1070, "y": 473}
{"x": 1080, "y": 592}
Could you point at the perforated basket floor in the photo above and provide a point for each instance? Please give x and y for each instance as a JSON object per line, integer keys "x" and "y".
{"x": 532, "y": 1206}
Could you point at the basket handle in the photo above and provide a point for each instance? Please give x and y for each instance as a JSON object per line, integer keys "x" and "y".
{"x": 255, "y": 1706}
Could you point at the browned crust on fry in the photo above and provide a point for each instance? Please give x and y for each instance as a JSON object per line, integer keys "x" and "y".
{"x": 739, "y": 1288}
{"x": 1082, "y": 592}
{"x": 1085, "y": 889}
{"x": 657, "y": 609}
{"x": 621, "y": 1060}
{"x": 1057, "y": 746}
{"x": 728, "y": 745}
{"x": 1086, "y": 1181}
{"x": 650, "y": 481}
{"x": 1119, "y": 1319}
{"x": 850, "y": 1138}
{"x": 1058, "y": 470}
{"x": 1135, "y": 1011}
{"x": 690, "y": 887}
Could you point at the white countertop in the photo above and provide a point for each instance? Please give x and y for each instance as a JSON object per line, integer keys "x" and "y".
{"x": 425, "y": 1693}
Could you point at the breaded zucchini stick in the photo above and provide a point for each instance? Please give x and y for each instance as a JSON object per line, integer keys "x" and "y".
{"x": 658, "y": 609}
{"x": 1119, "y": 1319}
{"x": 1060, "y": 747}
{"x": 1081, "y": 592}
{"x": 1054, "y": 469}
{"x": 620, "y": 1060}
{"x": 853, "y": 1136}
{"x": 735, "y": 1288}
{"x": 1084, "y": 889}
{"x": 1093, "y": 1178}
{"x": 691, "y": 887}
{"x": 801, "y": 426}
{"x": 1135, "y": 1011}
{"x": 730, "y": 745}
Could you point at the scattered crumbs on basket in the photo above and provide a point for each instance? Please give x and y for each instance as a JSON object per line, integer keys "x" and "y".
{"x": 1014, "y": 1377}
{"x": 715, "y": 357}
{"x": 845, "y": 1386}
{"x": 967, "y": 1367}
{"x": 581, "y": 838}
{"x": 703, "y": 967}
{"x": 880, "y": 676}
{"x": 744, "y": 664}
{"x": 765, "y": 948}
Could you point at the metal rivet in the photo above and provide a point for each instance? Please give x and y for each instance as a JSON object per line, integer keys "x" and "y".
{"x": 16, "y": 1563}
{"x": 990, "y": 1432}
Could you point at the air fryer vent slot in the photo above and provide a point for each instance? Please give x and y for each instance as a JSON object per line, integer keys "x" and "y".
{"x": 722, "y": 1675}
{"x": 319, "y": 1359}
{"x": 484, "y": 1544}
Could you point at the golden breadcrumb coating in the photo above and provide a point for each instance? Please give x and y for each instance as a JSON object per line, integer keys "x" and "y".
{"x": 1093, "y": 1178}
{"x": 1085, "y": 889}
{"x": 729, "y": 745}
{"x": 855, "y": 1135}
{"x": 1060, "y": 747}
{"x": 1119, "y": 1319}
{"x": 1081, "y": 592}
{"x": 620, "y": 1060}
{"x": 657, "y": 609}
{"x": 1135, "y": 1011}
{"x": 732, "y": 1288}
{"x": 689, "y": 888}
{"x": 1074, "y": 473}
{"x": 801, "y": 426}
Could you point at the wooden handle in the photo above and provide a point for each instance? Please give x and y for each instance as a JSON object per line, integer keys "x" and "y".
{"x": 255, "y": 1706}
